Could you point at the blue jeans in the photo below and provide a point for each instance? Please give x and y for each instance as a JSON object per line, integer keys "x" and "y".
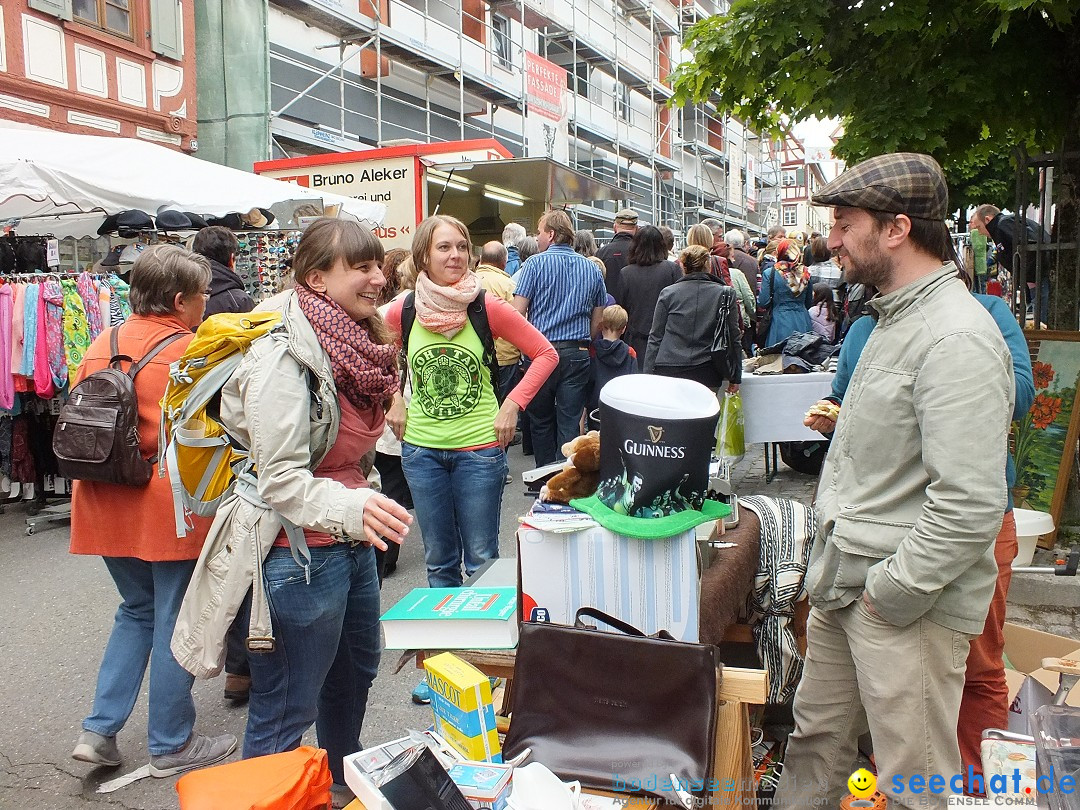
{"x": 555, "y": 412}
{"x": 326, "y": 655}
{"x": 141, "y": 634}
{"x": 458, "y": 498}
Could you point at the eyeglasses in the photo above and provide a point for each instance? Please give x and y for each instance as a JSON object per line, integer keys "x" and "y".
{"x": 207, "y": 293}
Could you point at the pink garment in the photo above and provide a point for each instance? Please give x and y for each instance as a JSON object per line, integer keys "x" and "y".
{"x": 54, "y": 331}
{"x": 819, "y": 318}
{"x": 19, "y": 301}
{"x": 7, "y": 384}
{"x": 43, "y": 381}
{"x": 88, "y": 292}
{"x": 509, "y": 324}
{"x": 357, "y": 434}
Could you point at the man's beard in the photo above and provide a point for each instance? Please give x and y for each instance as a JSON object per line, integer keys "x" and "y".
{"x": 873, "y": 267}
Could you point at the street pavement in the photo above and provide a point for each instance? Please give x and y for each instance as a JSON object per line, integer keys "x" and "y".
{"x": 55, "y": 615}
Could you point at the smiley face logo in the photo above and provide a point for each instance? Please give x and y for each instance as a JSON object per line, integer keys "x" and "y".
{"x": 862, "y": 784}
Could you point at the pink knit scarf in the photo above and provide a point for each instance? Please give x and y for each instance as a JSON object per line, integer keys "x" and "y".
{"x": 364, "y": 371}
{"x": 443, "y": 309}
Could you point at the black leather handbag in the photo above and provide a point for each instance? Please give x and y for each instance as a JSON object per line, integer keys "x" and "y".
{"x": 616, "y": 711}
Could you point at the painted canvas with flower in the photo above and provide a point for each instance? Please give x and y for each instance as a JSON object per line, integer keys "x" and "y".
{"x": 1039, "y": 438}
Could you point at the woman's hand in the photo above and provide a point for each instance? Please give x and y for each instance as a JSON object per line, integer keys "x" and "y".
{"x": 822, "y": 416}
{"x": 385, "y": 521}
{"x": 397, "y": 416}
{"x": 733, "y": 388}
{"x": 506, "y": 422}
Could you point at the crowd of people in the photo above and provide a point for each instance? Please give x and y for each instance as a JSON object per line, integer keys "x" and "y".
{"x": 421, "y": 368}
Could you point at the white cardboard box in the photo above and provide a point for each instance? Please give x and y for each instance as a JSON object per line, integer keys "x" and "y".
{"x": 652, "y": 584}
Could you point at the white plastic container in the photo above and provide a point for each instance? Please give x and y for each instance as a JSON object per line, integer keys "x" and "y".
{"x": 1030, "y": 526}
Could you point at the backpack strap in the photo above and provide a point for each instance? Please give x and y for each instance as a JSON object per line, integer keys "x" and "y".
{"x": 135, "y": 368}
{"x": 477, "y": 313}
{"x": 408, "y": 315}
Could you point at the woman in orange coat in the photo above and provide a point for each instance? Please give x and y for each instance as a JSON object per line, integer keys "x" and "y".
{"x": 129, "y": 527}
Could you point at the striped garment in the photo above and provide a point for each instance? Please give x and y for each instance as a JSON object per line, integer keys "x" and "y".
{"x": 563, "y": 288}
{"x": 787, "y": 533}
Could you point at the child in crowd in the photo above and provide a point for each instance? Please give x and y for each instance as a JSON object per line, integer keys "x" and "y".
{"x": 611, "y": 358}
{"x": 823, "y": 312}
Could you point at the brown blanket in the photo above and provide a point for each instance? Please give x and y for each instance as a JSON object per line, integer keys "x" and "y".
{"x": 726, "y": 584}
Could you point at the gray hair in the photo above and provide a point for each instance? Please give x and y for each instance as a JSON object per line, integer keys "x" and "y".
{"x": 584, "y": 243}
{"x": 713, "y": 225}
{"x": 160, "y": 273}
{"x": 527, "y": 246}
{"x": 735, "y": 238}
{"x": 512, "y": 233}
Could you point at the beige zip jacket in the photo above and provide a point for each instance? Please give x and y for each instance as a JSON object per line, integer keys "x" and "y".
{"x": 912, "y": 493}
{"x": 270, "y": 406}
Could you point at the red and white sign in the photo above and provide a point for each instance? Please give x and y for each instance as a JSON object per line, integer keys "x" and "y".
{"x": 545, "y": 87}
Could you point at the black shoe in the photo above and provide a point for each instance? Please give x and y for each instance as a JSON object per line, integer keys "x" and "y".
{"x": 516, "y": 440}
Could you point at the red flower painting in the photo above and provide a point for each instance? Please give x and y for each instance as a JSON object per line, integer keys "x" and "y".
{"x": 1043, "y": 374}
{"x": 1045, "y": 410}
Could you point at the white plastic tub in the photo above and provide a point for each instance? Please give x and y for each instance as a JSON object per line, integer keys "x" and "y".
{"x": 1030, "y": 526}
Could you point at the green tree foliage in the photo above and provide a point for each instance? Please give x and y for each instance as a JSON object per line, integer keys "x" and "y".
{"x": 963, "y": 82}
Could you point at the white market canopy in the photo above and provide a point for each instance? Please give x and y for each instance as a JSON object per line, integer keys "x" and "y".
{"x": 65, "y": 184}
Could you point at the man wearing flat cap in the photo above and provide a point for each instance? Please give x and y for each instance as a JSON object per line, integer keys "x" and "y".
{"x": 909, "y": 502}
{"x": 616, "y": 254}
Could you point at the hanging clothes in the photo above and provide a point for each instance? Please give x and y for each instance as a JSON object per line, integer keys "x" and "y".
{"x": 18, "y": 317}
{"x": 87, "y": 290}
{"x": 30, "y": 307}
{"x": 119, "y": 308}
{"x": 7, "y": 382}
{"x": 76, "y": 331}
{"x": 54, "y": 331}
{"x": 104, "y": 299}
{"x": 43, "y": 381}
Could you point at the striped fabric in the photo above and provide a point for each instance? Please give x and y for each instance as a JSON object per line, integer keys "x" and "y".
{"x": 787, "y": 533}
{"x": 563, "y": 288}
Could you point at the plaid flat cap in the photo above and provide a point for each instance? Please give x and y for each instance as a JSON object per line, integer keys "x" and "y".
{"x": 900, "y": 183}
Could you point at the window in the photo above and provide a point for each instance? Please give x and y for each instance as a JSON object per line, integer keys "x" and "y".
{"x": 500, "y": 27}
{"x": 113, "y": 16}
{"x": 790, "y": 216}
{"x": 622, "y": 102}
{"x": 788, "y": 177}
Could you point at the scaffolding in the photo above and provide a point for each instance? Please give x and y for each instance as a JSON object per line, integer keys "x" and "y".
{"x": 456, "y": 69}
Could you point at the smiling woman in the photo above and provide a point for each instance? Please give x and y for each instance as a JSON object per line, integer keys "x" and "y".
{"x": 309, "y": 401}
{"x": 455, "y": 431}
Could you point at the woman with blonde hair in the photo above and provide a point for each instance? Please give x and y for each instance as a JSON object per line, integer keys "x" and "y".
{"x": 690, "y": 315}
{"x": 720, "y": 264}
{"x": 455, "y": 431}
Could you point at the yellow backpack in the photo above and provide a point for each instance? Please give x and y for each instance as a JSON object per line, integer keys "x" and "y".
{"x": 200, "y": 456}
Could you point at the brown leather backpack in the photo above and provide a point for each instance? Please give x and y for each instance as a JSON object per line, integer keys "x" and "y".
{"x": 97, "y": 433}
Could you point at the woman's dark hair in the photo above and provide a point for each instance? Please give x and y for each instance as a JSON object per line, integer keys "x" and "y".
{"x": 647, "y": 247}
{"x": 823, "y": 294}
{"x": 819, "y": 249}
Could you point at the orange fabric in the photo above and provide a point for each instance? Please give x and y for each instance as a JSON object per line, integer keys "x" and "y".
{"x": 985, "y": 702}
{"x": 116, "y": 520}
{"x": 292, "y": 780}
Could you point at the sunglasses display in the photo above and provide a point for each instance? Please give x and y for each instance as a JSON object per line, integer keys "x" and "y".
{"x": 264, "y": 261}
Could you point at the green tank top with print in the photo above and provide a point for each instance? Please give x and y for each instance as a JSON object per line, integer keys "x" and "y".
{"x": 453, "y": 400}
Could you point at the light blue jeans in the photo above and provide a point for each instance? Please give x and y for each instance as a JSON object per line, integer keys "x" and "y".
{"x": 458, "y": 500}
{"x": 141, "y": 634}
{"x": 326, "y": 655}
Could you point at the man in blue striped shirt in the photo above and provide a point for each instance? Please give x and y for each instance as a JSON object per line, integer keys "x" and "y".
{"x": 563, "y": 295}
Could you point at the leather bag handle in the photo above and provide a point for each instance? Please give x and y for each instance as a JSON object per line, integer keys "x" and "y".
{"x": 618, "y": 624}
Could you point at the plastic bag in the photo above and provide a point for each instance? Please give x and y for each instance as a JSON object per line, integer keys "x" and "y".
{"x": 730, "y": 443}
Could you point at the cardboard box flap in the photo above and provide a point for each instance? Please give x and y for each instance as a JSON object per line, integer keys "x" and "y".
{"x": 1026, "y": 648}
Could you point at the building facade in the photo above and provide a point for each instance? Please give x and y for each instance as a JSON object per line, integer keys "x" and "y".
{"x": 801, "y": 174}
{"x": 101, "y": 67}
{"x": 584, "y": 82}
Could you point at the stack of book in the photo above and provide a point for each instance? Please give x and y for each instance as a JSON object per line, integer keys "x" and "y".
{"x": 462, "y": 706}
{"x": 453, "y": 619}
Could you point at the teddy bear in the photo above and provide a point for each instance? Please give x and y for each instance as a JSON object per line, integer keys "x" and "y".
{"x": 581, "y": 474}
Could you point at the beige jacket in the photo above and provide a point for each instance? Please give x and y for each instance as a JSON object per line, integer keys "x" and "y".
{"x": 498, "y": 282}
{"x": 282, "y": 404}
{"x": 912, "y": 494}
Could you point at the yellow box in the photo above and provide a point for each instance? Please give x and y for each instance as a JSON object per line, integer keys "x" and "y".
{"x": 459, "y": 682}
{"x": 482, "y": 747}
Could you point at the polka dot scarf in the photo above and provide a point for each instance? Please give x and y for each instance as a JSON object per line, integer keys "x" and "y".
{"x": 364, "y": 371}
